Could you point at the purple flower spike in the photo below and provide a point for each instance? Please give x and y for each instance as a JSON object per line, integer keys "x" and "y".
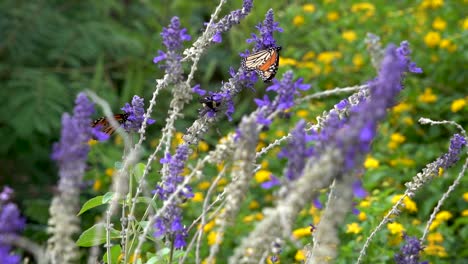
{"x": 358, "y": 189}
{"x": 453, "y": 155}
{"x": 410, "y": 251}
{"x": 231, "y": 19}
{"x": 296, "y": 152}
{"x": 136, "y": 112}
{"x": 265, "y": 40}
{"x": 11, "y": 223}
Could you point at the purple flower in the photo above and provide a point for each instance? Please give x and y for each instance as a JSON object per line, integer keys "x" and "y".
{"x": 409, "y": 252}
{"x": 286, "y": 90}
{"x": 170, "y": 223}
{"x": 72, "y": 150}
{"x": 274, "y": 181}
{"x": 136, "y": 112}
{"x": 297, "y": 152}
{"x": 263, "y": 102}
{"x": 265, "y": 40}
{"x": 317, "y": 203}
{"x": 342, "y": 104}
{"x": 6, "y": 194}
{"x": 196, "y": 89}
{"x": 358, "y": 189}
{"x": 11, "y": 223}
{"x": 6, "y": 257}
{"x": 453, "y": 154}
{"x": 231, "y": 19}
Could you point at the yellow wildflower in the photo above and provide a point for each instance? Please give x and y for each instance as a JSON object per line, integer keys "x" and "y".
{"x": 333, "y": 16}
{"x": 448, "y": 45}
{"x": 298, "y": 21}
{"x": 358, "y": 60}
{"x": 443, "y": 216}
{"x": 398, "y": 138}
{"x": 401, "y": 107}
{"x": 209, "y": 261}
{"x": 300, "y": 256}
{"x": 432, "y": 3}
{"x": 254, "y": 205}
{"x": 208, "y": 226}
{"x": 279, "y": 133}
{"x": 432, "y": 39}
{"x": 435, "y": 250}
{"x": 110, "y": 172}
{"x": 264, "y": 164}
{"x": 416, "y": 222}
{"x": 309, "y": 55}
{"x": 197, "y": 197}
{"x": 212, "y": 237}
{"x": 259, "y": 147}
{"x": 308, "y": 8}
{"x": 203, "y": 146}
{"x": 457, "y": 105}
{"x": 222, "y": 182}
{"x": 367, "y": 7}
{"x": 288, "y": 61}
{"x": 92, "y": 142}
{"x": 435, "y": 238}
{"x": 395, "y": 228}
{"x": 465, "y": 197}
{"x": 362, "y": 216}
{"x": 439, "y": 24}
{"x": 302, "y": 232}
{"x": 263, "y": 136}
{"x": 302, "y": 113}
{"x": 441, "y": 171}
{"x": 409, "y": 204}
{"x": 465, "y": 24}
{"x": 371, "y": 163}
{"x": 97, "y": 185}
{"x": 402, "y": 161}
{"x": 464, "y": 212}
{"x": 258, "y": 216}
{"x": 248, "y": 218}
{"x": 204, "y": 185}
{"x": 328, "y": 56}
{"x": 353, "y": 228}
{"x": 364, "y": 204}
{"x": 427, "y": 96}
{"x": 349, "y": 35}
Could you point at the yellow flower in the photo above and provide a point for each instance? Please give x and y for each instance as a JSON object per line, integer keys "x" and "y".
{"x": 302, "y": 113}
{"x": 432, "y": 3}
{"x": 288, "y": 61}
{"x": 248, "y": 218}
{"x": 204, "y": 185}
{"x": 302, "y": 232}
{"x": 309, "y": 55}
{"x": 401, "y": 107}
{"x": 358, "y": 60}
{"x": 333, "y": 16}
{"x": 208, "y": 261}
{"x": 97, "y": 185}
{"x": 448, "y": 45}
{"x": 328, "y": 56}
{"x": 409, "y": 204}
{"x": 427, "y": 96}
{"x": 367, "y": 7}
{"x": 364, "y": 204}
{"x": 457, "y": 105}
{"x": 465, "y": 197}
{"x": 371, "y": 163}
{"x": 432, "y": 39}
{"x": 395, "y": 228}
{"x": 198, "y": 197}
{"x": 439, "y": 24}
{"x": 258, "y": 216}
{"x": 254, "y": 205}
{"x": 464, "y": 212}
{"x": 308, "y": 8}
{"x": 212, "y": 237}
{"x": 435, "y": 238}
{"x": 416, "y": 222}
{"x": 443, "y": 216}
{"x": 298, "y": 21}
{"x": 92, "y": 142}
{"x": 264, "y": 164}
{"x": 353, "y": 228}
{"x": 435, "y": 250}
{"x": 465, "y": 24}
{"x": 408, "y": 120}
{"x": 349, "y": 35}
{"x": 260, "y": 145}
{"x": 203, "y": 146}
{"x": 222, "y": 182}
{"x": 279, "y": 133}
{"x": 397, "y": 138}
{"x": 110, "y": 172}
{"x": 208, "y": 226}
{"x": 300, "y": 256}
{"x": 362, "y": 216}
{"x": 263, "y": 136}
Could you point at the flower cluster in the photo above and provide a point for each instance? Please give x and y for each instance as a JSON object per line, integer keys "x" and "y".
{"x": 11, "y": 223}
{"x": 136, "y": 114}
{"x": 409, "y": 252}
{"x": 266, "y": 39}
{"x": 171, "y": 222}
{"x": 173, "y": 38}
{"x": 231, "y": 19}
{"x": 452, "y": 156}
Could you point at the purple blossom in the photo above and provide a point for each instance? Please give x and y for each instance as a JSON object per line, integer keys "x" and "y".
{"x": 263, "y": 102}
{"x": 72, "y": 150}
{"x": 342, "y": 104}
{"x": 274, "y": 181}
{"x": 196, "y": 89}
{"x": 6, "y": 194}
{"x": 11, "y": 223}
{"x": 409, "y": 252}
{"x": 267, "y": 28}
{"x": 453, "y": 154}
{"x": 297, "y": 152}
{"x": 317, "y": 203}
{"x": 358, "y": 189}
{"x": 231, "y": 19}
{"x": 6, "y": 257}
{"x": 170, "y": 223}
{"x": 136, "y": 112}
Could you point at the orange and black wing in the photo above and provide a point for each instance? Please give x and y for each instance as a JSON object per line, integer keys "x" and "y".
{"x": 264, "y": 63}
{"x": 106, "y": 126}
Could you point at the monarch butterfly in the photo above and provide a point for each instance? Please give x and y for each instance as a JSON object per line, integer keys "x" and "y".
{"x": 264, "y": 63}
{"x": 106, "y": 126}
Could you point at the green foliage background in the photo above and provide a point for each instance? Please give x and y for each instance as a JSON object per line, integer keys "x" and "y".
{"x": 51, "y": 50}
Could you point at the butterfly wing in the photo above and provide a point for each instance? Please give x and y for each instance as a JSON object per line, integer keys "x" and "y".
{"x": 264, "y": 63}
{"x": 106, "y": 126}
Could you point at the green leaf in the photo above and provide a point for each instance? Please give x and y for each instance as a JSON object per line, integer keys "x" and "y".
{"x": 139, "y": 170}
{"x": 115, "y": 253}
{"x": 107, "y": 197}
{"x": 96, "y": 235}
{"x": 91, "y": 203}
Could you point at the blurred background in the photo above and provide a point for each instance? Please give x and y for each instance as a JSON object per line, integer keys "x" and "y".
{"x": 51, "y": 50}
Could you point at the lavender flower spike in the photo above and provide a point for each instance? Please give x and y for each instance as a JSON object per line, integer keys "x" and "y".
{"x": 232, "y": 19}
{"x": 265, "y": 40}
{"x": 409, "y": 251}
{"x": 136, "y": 113}
{"x": 453, "y": 155}
{"x": 11, "y": 223}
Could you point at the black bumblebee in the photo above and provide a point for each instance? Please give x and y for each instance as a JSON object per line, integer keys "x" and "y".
{"x": 211, "y": 103}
